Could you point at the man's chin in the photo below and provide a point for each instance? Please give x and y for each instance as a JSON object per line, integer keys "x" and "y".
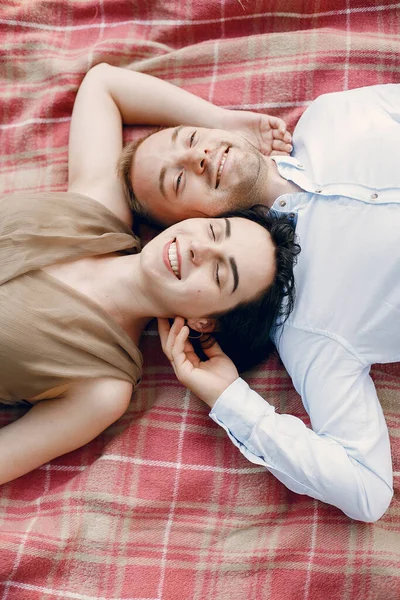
{"x": 254, "y": 190}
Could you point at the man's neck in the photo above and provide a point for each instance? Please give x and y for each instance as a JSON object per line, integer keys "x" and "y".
{"x": 277, "y": 185}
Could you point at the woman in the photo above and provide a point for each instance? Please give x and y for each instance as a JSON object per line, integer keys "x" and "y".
{"x": 73, "y": 304}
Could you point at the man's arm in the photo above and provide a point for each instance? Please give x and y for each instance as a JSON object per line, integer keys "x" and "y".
{"x": 110, "y": 97}
{"x": 344, "y": 460}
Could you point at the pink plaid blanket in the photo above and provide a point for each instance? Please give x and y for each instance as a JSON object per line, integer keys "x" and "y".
{"x": 162, "y": 506}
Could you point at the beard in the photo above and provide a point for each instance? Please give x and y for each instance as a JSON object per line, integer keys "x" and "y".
{"x": 253, "y": 174}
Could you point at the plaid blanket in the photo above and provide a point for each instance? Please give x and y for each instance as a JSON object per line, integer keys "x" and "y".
{"x": 162, "y": 506}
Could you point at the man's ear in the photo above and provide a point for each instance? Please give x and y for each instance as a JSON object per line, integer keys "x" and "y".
{"x": 204, "y": 325}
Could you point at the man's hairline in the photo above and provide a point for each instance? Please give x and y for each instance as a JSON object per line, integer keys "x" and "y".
{"x": 147, "y": 212}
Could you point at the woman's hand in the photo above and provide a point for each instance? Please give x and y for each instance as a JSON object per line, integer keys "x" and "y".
{"x": 207, "y": 379}
{"x": 268, "y": 134}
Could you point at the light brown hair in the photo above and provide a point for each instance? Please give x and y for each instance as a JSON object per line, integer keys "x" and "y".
{"x": 124, "y": 167}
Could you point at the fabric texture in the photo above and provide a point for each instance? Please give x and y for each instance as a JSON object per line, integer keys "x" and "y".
{"x": 344, "y": 320}
{"x": 162, "y": 505}
{"x": 50, "y": 334}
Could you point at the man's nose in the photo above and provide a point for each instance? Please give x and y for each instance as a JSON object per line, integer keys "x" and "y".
{"x": 195, "y": 159}
{"x": 201, "y": 252}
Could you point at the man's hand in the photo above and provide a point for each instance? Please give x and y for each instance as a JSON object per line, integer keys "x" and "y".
{"x": 268, "y": 134}
{"x": 206, "y": 379}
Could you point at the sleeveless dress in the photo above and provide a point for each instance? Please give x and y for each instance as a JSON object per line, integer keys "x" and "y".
{"x": 50, "y": 334}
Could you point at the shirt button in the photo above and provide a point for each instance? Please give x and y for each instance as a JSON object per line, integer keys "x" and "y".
{"x": 374, "y": 196}
{"x": 282, "y": 203}
{"x": 318, "y": 191}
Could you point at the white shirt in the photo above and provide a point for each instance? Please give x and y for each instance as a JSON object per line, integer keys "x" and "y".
{"x": 347, "y": 309}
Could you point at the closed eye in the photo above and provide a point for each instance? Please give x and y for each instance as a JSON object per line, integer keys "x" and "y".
{"x": 217, "y": 276}
{"x": 212, "y": 231}
{"x": 178, "y": 182}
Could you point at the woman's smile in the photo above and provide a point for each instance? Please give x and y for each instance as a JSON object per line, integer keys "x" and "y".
{"x": 215, "y": 262}
{"x": 172, "y": 257}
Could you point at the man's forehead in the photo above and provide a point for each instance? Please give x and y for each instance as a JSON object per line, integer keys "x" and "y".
{"x": 175, "y": 133}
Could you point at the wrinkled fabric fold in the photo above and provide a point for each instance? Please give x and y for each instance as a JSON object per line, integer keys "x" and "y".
{"x": 50, "y": 334}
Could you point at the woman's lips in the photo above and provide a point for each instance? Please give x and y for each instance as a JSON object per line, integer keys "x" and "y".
{"x": 165, "y": 257}
{"x": 167, "y": 260}
{"x": 178, "y": 254}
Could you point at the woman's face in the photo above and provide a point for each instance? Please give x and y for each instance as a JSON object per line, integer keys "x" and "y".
{"x": 203, "y": 266}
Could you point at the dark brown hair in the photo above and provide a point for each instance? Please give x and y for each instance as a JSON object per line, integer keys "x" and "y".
{"x": 244, "y": 333}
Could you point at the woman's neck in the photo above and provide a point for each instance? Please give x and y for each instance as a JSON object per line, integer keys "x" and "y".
{"x": 118, "y": 289}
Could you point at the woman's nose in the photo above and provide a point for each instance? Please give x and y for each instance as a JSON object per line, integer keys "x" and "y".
{"x": 200, "y": 252}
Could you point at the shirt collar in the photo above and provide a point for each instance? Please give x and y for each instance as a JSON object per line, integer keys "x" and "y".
{"x": 287, "y": 161}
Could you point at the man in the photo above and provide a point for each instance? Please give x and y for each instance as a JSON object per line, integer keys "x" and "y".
{"x": 110, "y": 97}
{"x": 347, "y": 313}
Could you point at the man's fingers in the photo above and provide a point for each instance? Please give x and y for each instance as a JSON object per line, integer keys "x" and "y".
{"x": 177, "y": 326}
{"x": 180, "y": 339}
{"x": 214, "y": 350}
{"x": 277, "y": 124}
{"x": 281, "y": 147}
{"x": 181, "y": 349}
{"x": 168, "y": 334}
{"x": 277, "y": 153}
{"x": 282, "y": 135}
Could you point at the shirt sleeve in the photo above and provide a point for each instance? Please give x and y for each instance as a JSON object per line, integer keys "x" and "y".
{"x": 344, "y": 459}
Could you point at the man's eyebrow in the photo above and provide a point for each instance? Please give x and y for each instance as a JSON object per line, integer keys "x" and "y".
{"x": 161, "y": 177}
{"x": 175, "y": 133}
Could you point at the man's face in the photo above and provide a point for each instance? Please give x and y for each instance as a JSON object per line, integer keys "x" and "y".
{"x": 184, "y": 172}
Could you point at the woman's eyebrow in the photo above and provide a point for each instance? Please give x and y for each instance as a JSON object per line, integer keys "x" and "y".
{"x": 232, "y": 261}
{"x": 235, "y": 273}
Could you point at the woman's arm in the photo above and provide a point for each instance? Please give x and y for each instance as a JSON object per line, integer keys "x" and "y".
{"x": 110, "y": 97}
{"x": 54, "y": 427}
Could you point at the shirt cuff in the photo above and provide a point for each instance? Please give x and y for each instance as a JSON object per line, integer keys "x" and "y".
{"x": 239, "y": 409}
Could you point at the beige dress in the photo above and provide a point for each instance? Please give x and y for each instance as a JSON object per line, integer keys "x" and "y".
{"x": 50, "y": 334}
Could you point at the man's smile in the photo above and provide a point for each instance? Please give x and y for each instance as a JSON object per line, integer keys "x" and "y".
{"x": 221, "y": 165}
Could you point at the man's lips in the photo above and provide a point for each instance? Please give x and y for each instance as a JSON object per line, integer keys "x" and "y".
{"x": 220, "y": 162}
{"x": 166, "y": 257}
